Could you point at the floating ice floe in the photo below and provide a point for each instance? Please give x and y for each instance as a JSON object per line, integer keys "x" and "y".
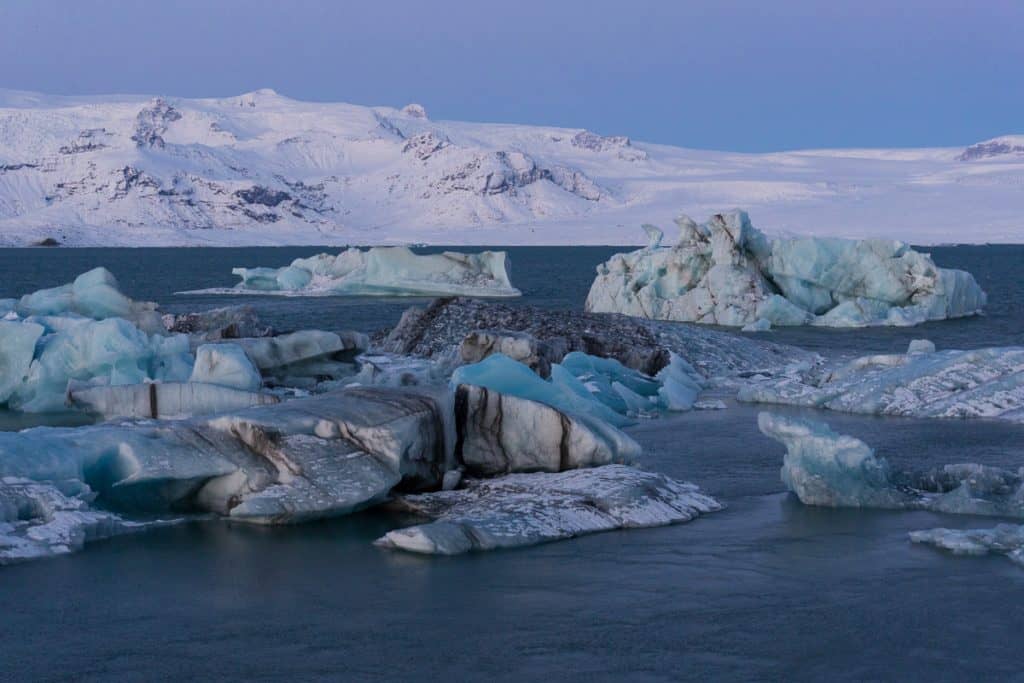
{"x": 527, "y": 509}
{"x": 726, "y": 272}
{"x": 1002, "y": 539}
{"x": 384, "y": 271}
{"x": 920, "y": 383}
{"x": 828, "y": 469}
{"x": 39, "y": 520}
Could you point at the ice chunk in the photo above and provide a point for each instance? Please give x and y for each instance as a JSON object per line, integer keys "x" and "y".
{"x": 281, "y": 463}
{"x": 94, "y": 294}
{"x": 17, "y": 348}
{"x": 976, "y": 383}
{"x": 825, "y": 468}
{"x": 164, "y": 400}
{"x": 109, "y": 352}
{"x": 501, "y": 433}
{"x": 1003, "y": 539}
{"x": 921, "y": 346}
{"x": 527, "y": 509}
{"x": 728, "y": 273}
{"x": 505, "y": 376}
{"x": 386, "y": 271}
{"x": 38, "y": 520}
{"x": 226, "y": 365}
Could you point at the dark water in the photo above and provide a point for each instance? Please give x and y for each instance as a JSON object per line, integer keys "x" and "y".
{"x": 767, "y": 589}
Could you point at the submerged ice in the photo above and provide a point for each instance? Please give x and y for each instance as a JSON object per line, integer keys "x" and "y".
{"x": 828, "y": 469}
{"x": 1002, "y": 539}
{"x": 386, "y": 271}
{"x": 726, "y": 272}
{"x": 986, "y": 382}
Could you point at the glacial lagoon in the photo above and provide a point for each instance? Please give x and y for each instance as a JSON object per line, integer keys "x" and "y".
{"x": 767, "y": 588}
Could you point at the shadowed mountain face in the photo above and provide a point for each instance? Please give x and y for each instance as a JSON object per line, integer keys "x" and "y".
{"x": 264, "y": 169}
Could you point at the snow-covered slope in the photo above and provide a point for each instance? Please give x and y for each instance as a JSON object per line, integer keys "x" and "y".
{"x": 265, "y": 169}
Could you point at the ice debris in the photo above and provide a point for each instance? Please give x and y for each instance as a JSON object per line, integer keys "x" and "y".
{"x": 39, "y": 520}
{"x": 726, "y": 272}
{"x": 386, "y": 271}
{"x": 828, "y": 469}
{"x": 985, "y": 382}
{"x": 1002, "y": 539}
{"x": 528, "y": 509}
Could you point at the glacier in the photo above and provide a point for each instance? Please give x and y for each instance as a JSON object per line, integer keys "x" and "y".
{"x": 986, "y": 382}
{"x": 526, "y": 509}
{"x": 832, "y": 470}
{"x": 385, "y": 271}
{"x": 726, "y": 272}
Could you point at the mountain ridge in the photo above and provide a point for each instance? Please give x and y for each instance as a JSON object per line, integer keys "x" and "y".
{"x": 263, "y": 169}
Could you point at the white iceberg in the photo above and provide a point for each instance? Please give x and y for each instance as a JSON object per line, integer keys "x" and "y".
{"x": 385, "y": 271}
{"x": 526, "y": 509}
{"x": 726, "y": 272}
{"x": 921, "y": 383}
{"x": 225, "y": 365}
{"x": 1002, "y": 539}
{"x": 94, "y": 294}
{"x": 828, "y": 469}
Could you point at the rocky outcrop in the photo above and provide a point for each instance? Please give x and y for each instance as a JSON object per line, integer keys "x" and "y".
{"x": 437, "y": 331}
{"x": 152, "y": 122}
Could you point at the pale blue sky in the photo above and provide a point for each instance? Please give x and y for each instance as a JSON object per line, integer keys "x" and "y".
{"x": 720, "y": 75}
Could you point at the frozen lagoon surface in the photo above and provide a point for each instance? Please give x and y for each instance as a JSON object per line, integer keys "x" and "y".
{"x": 767, "y": 588}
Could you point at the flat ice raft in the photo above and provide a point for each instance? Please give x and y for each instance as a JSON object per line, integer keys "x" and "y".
{"x": 385, "y": 271}
{"x": 528, "y": 509}
{"x": 920, "y": 383}
{"x": 726, "y": 272}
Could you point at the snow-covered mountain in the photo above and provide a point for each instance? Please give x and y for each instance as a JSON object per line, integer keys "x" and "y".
{"x": 265, "y": 169}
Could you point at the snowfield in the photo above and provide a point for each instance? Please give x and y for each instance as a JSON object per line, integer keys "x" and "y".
{"x": 263, "y": 169}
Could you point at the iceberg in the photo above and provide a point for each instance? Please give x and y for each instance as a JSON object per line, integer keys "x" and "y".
{"x": 828, "y": 469}
{"x": 226, "y": 365}
{"x": 726, "y": 272}
{"x": 1003, "y": 539}
{"x": 985, "y": 382}
{"x": 527, "y": 509}
{"x": 110, "y": 352}
{"x": 500, "y": 433}
{"x": 304, "y": 459}
{"x": 385, "y": 271}
{"x": 94, "y": 294}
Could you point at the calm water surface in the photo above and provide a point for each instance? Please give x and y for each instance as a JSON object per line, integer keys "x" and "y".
{"x": 767, "y": 589}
